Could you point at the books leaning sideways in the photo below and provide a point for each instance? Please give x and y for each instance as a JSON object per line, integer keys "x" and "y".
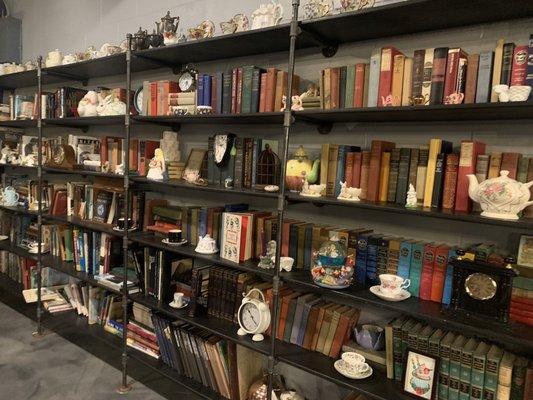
{"x": 53, "y": 299}
{"x": 115, "y": 282}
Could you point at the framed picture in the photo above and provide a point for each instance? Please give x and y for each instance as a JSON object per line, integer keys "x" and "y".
{"x": 525, "y": 251}
{"x": 420, "y": 376}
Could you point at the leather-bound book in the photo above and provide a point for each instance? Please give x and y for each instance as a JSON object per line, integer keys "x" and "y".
{"x": 455, "y": 68}
{"x": 426, "y": 277}
{"x": 365, "y": 172}
{"x": 234, "y": 88}
{"x": 510, "y": 163}
{"x": 262, "y": 92}
{"x": 438, "y": 75}
{"x": 382, "y": 255}
{"x": 356, "y": 170}
{"x": 238, "y": 102}
{"x": 523, "y": 167}
{"x": 413, "y": 167}
{"x": 467, "y": 165}
{"x": 342, "y": 87}
{"x": 507, "y": 63}
{"x": 403, "y": 175}
{"x": 393, "y": 174}
{"x": 471, "y": 78}
{"x": 226, "y": 91}
{"x": 330, "y": 336}
{"x": 324, "y": 328}
{"x": 494, "y": 164}
{"x": 333, "y": 159}
{"x": 346, "y": 320}
{"x": 350, "y": 87}
{"x": 298, "y": 314}
{"x": 397, "y": 79}
{"x": 348, "y": 167}
{"x": 281, "y": 89}
{"x": 335, "y": 88}
{"x": 496, "y": 70}
{"x": 519, "y": 67}
{"x": 450, "y": 181}
{"x": 283, "y": 313}
{"x": 306, "y": 312}
{"x": 407, "y": 81}
{"x": 415, "y": 271}
{"x": 393, "y": 257}
{"x": 384, "y": 176}
{"x": 428, "y": 71}
{"x": 318, "y": 326}
{"x": 311, "y": 324}
{"x": 484, "y": 77}
{"x": 439, "y": 272}
{"x": 360, "y": 78}
{"x": 385, "y": 75}
{"x": 418, "y": 73}
{"x": 438, "y": 184}
{"x": 270, "y": 91}
{"x": 377, "y": 149}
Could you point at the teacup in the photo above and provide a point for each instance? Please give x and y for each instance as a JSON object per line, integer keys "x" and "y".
{"x": 121, "y": 223}
{"x": 174, "y": 236}
{"x": 286, "y": 263}
{"x": 393, "y": 284}
{"x": 354, "y": 363}
{"x": 10, "y": 197}
{"x": 178, "y": 299}
{"x": 519, "y": 93}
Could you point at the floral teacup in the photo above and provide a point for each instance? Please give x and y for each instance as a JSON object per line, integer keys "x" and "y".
{"x": 393, "y": 285}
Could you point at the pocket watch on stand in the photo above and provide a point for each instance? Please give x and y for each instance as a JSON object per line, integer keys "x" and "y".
{"x": 253, "y": 316}
{"x": 187, "y": 79}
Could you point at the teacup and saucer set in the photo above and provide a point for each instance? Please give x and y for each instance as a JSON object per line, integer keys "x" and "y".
{"x": 179, "y": 301}
{"x": 392, "y": 288}
{"x": 174, "y": 238}
{"x": 121, "y": 223}
{"x": 353, "y": 365}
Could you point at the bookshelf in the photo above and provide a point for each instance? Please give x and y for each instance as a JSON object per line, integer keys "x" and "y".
{"x": 325, "y": 33}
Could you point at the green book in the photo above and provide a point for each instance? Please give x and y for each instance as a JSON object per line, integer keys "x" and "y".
{"x": 412, "y": 336}
{"x": 416, "y": 267}
{"x": 466, "y": 368}
{"x": 479, "y": 360}
{"x": 519, "y": 378}
{"x": 521, "y": 174}
{"x": 397, "y": 346}
{"x": 247, "y": 75}
{"x": 350, "y": 86}
{"x": 455, "y": 367}
{"x": 434, "y": 342}
{"x": 444, "y": 366}
{"x": 492, "y": 367}
{"x": 423, "y": 339}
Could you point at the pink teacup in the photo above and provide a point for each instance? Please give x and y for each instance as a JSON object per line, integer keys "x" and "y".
{"x": 393, "y": 285}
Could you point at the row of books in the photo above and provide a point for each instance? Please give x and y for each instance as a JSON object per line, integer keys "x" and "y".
{"x": 20, "y": 269}
{"x": 247, "y": 89}
{"x": 522, "y": 300}
{"x": 438, "y": 171}
{"x": 223, "y": 366}
{"x": 431, "y": 76}
{"x": 468, "y": 367}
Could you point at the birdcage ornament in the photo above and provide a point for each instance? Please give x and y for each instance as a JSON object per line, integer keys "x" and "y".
{"x": 268, "y": 167}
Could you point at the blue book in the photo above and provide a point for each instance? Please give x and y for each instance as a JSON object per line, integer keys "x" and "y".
{"x": 404, "y": 261}
{"x": 207, "y": 90}
{"x": 305, "y": 317}
{"x": 202, "y": 221}
{"x": 448, "y": 280}
{"x": 372, "y": 260}
{"x": 360, "y": 259}
{"x": 81, "y": 252}
{"x": 200, "y": 91}
{"x": 416, "y": 267}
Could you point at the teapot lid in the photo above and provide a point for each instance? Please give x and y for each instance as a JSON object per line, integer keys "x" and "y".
{"x": 300, "y": 153}
{"x": 168, "y": 18}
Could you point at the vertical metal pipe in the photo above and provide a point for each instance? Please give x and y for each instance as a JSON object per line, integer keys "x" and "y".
{"x": 287, "y": 122}
{"x": 39, "y": 330}
{"x": 124, "y": 388}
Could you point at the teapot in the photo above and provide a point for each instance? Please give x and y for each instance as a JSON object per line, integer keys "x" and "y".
{"x": 267, "y": 15}
{"x": 139, "y": 41}
{"x": 168, "y": 27}
{"x": 206, "y": 245}
{"x": 69, "y": 59}
{"x": 299, "y": 169}
{"x": 155, "y": 39}
{"x": 501, "y": 197}
{"x": 53, "y": 59}
{"x": 10, "y": 197}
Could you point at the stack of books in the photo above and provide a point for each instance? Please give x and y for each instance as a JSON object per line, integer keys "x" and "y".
{"x": 522, "y": 301}
{"x": 143, "y": 338}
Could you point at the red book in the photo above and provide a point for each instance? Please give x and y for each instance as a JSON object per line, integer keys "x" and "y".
{"x": 450, "y": 181}
{"x": 244, "y": 231}
{"x": 262, "y": 93}
{"x": 348, "y": 168}
{"x": 335, "y": 87}
{"x": 284, "y": 309}
{"x": 356, "y": 174}
{"x": 239, "y": 91}
{"x": 524, "y": 302}
{"x": 270, "y": 94}
{"x": 214, "y": 104}
{"x": 359, "y": 88}
{"x": 519, "y": 311}
{"x": 234, "y": 78}
{"x": 439, "y": 273}
{"x": 521, "y": 319}
{"x": 426, "y": 277}
{"x": 166, "y": 88}
{"x": 385, "y": 75}
{"x": 467, "y": 165}
{"x": 510, "y": 163}
{"x": 134, "y": 154}
{"x": 377, "y": 149}
{"x": 451, "y": 74}
{"x": 153, "y": 98}
{"x": 285, "y": 236}
{"x": 519, "y": 68}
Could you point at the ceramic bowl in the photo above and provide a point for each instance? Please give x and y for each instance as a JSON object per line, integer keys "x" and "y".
{"x": 286, "y": 263}
{"x": 519, "y": 93}
{"x": 204, "y": 110}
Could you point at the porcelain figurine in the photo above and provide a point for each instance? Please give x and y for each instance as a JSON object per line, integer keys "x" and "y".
{"x": 155, "y": 39}
{"x": 110, "y": 105}
{"x": 500, "y": 198}
{"x": 169, "y": 27}
{"x": 53, "y": 59}
{"x": 286, "y": 263}
{"x": 454, "y": 98}
{"x": 299, "y": 169}
{"x": 108, "y": 49}
{"x": 139, "y": 41}
{"x": 87, "y": 107}
{"x": 519, "y": 92}
{"x": 91, "y": 53}
{"x": 296, "y": 103}
{"x": 312, "y": 190}
{"x": 267, "y": 15}
{"x": 503, "y": 93}
{"x": 239, "y": 23}
{"x": 352, "y": 5}
{"x": 6, "y": 151}
{"x": 30, "y": 65}
{"x": 204, "y": 30}
{"x": 349, "y": 193}
{"x": 69, "y": 59}
{"x": 318, "y": 8}
{"x": 267, "y": 261}
{"x": 411, "y": 200}
{"x": 206, "y": 245}
{"x": 157, "y": 167}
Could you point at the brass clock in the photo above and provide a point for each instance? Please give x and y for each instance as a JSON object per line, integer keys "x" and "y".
{"x": 480, "y": 286}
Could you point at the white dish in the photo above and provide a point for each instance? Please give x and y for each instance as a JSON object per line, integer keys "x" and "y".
{"x": 3, "y": 237}
{"x": 165, "y": 241}
{"x": 206, "y": 252}
{"x": 339, "y": 367}
{"x": 185, "y": 303}
{"x": 404, "y": 294}
{"x": 116, "y": 228}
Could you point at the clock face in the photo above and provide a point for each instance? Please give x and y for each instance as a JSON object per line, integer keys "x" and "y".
{"x": 250, "y": 317}
{"x": 480, "y": 286}
{"x": 186, "y": 81}
{"x": 139, "y": 100}
{"x": 221, "y": 145}
{"x": 58, "y": 154}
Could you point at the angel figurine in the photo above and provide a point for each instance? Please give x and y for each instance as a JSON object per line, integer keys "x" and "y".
{"x": 157, "y": 166}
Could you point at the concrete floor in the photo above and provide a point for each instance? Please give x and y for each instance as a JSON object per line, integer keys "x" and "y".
{"x": 52, "y": 368}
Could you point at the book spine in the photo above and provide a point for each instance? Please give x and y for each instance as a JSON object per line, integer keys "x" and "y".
{"x": 450, "y": 181}
{"x": 358, "y": 93}
{"x": 471, "y": 78}
{"x": 373, "y": 81}
{"x": 393, "y": 175}
{"x": 467, "y": 158}
{"x": 226, "y": 92}
{"x": 208, "y": 81}
{"x": 519, "y": 67}
{"x": 385, "y": 76}
{"x": 496, "y": 70}
{"x": 360, "y": 259}
{"x": 335, "y": 88}
{"x": 376, "y": 150}
{"x": 262, "y": 91}
{"x": 333, "y": 159}
{"x": 238, "y": 104}
{"x": 404, "y": 259}
{"x": 428, "y": 72}
{"x": 246, "y": 106}
{"x": 434, "y": 150}
{"x": 507, "y": 63}
{"x": 270, "y": 91}
{"x": 426, "y": 277}
{"x": 418, "y": 73}
{"x": 342, "y": 87}
{"x": 403, "y": 175}
{"x": 436, "y": 197}
{"x": 416, "y": 268}
{"x": 439, "y": 273}
{"x": 234, "y": 83}
{"x": 384, "y": 170}
{"x": 413, "y": 167}
{"x": 256, "y": 85}
{"x": 484, "y": 77}
{"x": 438, "y": 75}
{"x": 397, "y": 79}
{"x": 341, "y": 162}
{"x": 407, "y": 82}
{"x": 200, "y": 91}
{"x": 237, "y": 175}
{"x": 350, "y": 86}
{"x": 365, "y": 172}
{"x": 529, "y": 75}
{"x": 450, "y": 76}
{"x": 510, "y": 163}
{"x": 371, "y": 261}
{"x": 356, "y": 170}
{"x": 348, "y": 168}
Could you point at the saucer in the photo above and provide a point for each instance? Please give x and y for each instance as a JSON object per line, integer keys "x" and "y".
{"x": 185, "y": 303}
{"x": 205, "y": 252}
{"x": 165, "y": 241}
{"x": 117, "y": 229}
{"x": 404, "y": 294}
{"x": 3, "y": 237}
{"x": 339, "y": 366}
{"x": 310, "y": 195}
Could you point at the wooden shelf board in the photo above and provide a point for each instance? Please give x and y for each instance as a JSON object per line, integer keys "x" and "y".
{"x": 83, "y": 122}
{"x": 226, "y": 119}
{"x": 91, "y": 225}
{"x": 20, "y": 123}
{"x": 18, "y": 80}
{"x": 82, "y": 172}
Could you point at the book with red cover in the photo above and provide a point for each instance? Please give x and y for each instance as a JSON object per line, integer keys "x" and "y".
{"x": 426, "y": 277}
{"x": 467, "y": 165}
{"x": 59, "y": 206}
{"x": 359, "y": 89}
{"x": 439, "y": 272}
{"x": 134, "y": 154}
{"x": 285, "y": 236}
{"x": 356, "y": 170}
{"x": 348, "y": 168}
{"x": 270, "y": 92}
{"x": 146, "y": 153}
{"x": 471, "y": 78}
{"x": 283, "y": 313}
{"x": 510, "y": 163}
{"x": 438, "y": 75}
{"x": 519, "y": 68}
{"x": 262, "y": 92}
{"x": 452, "y": 72}
{"x": 335, "y": 87}
{"x": 377, "y": 148}
{"x": 385, "y": 74}
{"x": 365, "y": 170}
{"x": 244, "y": 230}
{"x": 166, "y": 87}
{"x": 153, "y": 99}
{"x": 346, "y": 321}
{"x": 450, "y": 181}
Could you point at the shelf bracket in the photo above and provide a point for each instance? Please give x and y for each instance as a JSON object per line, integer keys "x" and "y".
{"x": 84, "y": 81}
{"x": 329, "y": 48}
{"x": 175, "y": 68}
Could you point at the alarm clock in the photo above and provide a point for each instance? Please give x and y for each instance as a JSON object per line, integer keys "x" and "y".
{"x": 253, "y": 316}
{"x": 187, "y": 79}
{"x": 138, "y": 100}
{"x": 62, "y": 156}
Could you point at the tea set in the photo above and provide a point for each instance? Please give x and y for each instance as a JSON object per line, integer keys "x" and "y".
{"x": 174, "y": 238}
{"x": 206, "y": 245}
{"x": 353, "y": 365}
{"x": 55, "y": 57}
{"x": 392, "y": 288}
{"x": 11, "y": 68}
{"x": 179, "y": 301}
